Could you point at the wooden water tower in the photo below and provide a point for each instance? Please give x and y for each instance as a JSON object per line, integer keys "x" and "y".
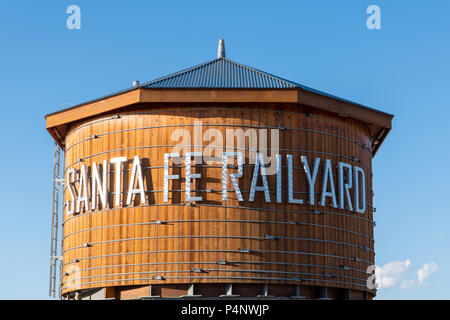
{"x": 305, "y": 242}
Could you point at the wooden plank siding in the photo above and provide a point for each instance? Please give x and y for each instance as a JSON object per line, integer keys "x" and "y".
{"x": 129, "y": 248}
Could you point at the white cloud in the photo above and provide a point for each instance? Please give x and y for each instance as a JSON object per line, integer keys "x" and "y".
{"x": 406, "y": 284}
{"x": 394, "y": 274}
{"x": 426, "y": 270}
{"x": 391, "y": 273}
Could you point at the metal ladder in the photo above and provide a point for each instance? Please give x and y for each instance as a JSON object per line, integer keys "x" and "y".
{"x": 55, "y": 259}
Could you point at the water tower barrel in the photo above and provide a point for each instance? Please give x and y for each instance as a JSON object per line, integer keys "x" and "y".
{"x": 212, "y": 241}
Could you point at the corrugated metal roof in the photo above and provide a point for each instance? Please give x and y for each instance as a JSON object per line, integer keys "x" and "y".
{"x": 221, "y": 73}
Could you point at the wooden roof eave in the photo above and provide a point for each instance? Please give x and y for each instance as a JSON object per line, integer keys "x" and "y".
{"x": 382, "y": 121}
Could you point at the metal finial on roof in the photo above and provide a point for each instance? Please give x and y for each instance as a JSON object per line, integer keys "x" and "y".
{"x": 221, "y": 49}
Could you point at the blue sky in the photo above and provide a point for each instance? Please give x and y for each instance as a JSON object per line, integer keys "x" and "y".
{"x": 401, "y": 69}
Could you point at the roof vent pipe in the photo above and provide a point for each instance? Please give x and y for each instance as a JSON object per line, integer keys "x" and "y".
{"x": 135, "y": 83}
{"x": 221, "y": 49}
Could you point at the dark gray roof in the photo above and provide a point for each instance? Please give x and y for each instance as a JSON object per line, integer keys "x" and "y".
{"x": 221, "y": 73}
